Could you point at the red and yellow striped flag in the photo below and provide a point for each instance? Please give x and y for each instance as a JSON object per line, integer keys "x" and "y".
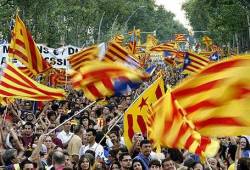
{"x": 169, "y": 126}
{"x": 135, "y": 117}
{"x": 117, "y": 53}
{"x": 16, "y": 84}
{"x": 79, "y": 59}
{"x": 24, "y": 49}
{"x": 193, "y": 63}
{"x": 169, "y": 46}
{"x": 99, "y": 79}
{"x": 118, "y": 39}
{"x": 217, "y": 98}
{"x": 180, "y": 38}
{"x": 27, "y": 71}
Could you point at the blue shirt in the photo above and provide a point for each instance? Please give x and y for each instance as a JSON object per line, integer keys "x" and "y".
{"x": 145, "y": 160}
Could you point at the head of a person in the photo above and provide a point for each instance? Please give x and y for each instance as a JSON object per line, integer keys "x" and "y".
{"x": 68, "y": 162}
{"x": 85, "y": 121}
{"x": 51, "y": 115}
{"x": 145, "y": 147}
{"x": 91, "y": 133}
{"x": 10, "y": 157}
{"x": 243, "y": 164}
{"x": 53, "y": 133}
{"x": 213, "y": 163}
{"x": 28, "y": 128}
{"x": 198, "y": 166}
{"x": 114, "y": 137}
{"x": 28, "y": 165}
{"x": 154, "y": 164}
{"x": 137, "y": 164}
{"x": 48, "y": 142}
{"x": 67, "y": 126}
{"x": 84, "y": 163}
{"x": 115, "y": 166}
{"x": 244, "y": 143}
{"x": 168, "y": 164}
{"x": 125, "y": 160}
{"x": 58, "y": 158}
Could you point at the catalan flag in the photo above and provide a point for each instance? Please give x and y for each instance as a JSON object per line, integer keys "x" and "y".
{"x": 24, "y": 49}
{"x": 151, "y": 41}
{"x": 135, "y": 116}
{"x": 132, "y": 43}
{"x": 27, "y": 71}
{"x": 117, "y": 53}
{"x": 180, "y": 38}
{"x": 169, "y": 127}
{"x": 169, "y": 46}
{"x": 16, "y": 84}
{"x": 207, "y": 41}
{"x": 99, "y": 79}
{"x": 4, "y": 101}
{"x": 58, "y": 77}
{"x": 78, "y": 60}
{"x": 217, "y": 98}
{"x": 193, "y": 63}
{"x": 118, "y": 39}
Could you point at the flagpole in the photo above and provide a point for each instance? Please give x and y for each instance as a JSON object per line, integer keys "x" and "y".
{"x": 71, "y": 117}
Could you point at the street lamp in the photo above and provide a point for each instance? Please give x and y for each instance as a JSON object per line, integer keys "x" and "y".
{"x": 126, "y": 22}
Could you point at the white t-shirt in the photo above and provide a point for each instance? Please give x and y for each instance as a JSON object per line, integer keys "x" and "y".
{"x": 97, "y": 148}
{"x": 64, "y": 137}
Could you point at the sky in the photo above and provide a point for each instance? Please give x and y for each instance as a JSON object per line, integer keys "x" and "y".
{"x": 175, "y": 7}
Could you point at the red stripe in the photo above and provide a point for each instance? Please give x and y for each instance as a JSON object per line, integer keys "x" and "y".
{"x": 199, "y": 63}
{"x": 190, "y": 69}
{"x": 16, "y": 88}
{"x": 108, "y": 83}
{"x": 201, "y": 105}
{"x": 85, "y": 55}
{"x": 92, "y": 89}
{"x": 142, "y": 124}
{"x": 14, "y": 80}
{"x": 34, "y": 57}
{"x": 189, "y": 142}
{"x": 20, "y": 43}
{"x": 4, "y": 93}
{"x": 130, "y": 126}
{"x": 223, "y": 121}
{"x": 222, "y": 66}
{"x": 182, "y": 92}
{"x": 193, "y": 66}
{"x": 158, "y": 92}
{"x": 33, "y": 85}
{"x": 203, "y": 144}
{"x": 18, "y": 54}
{"x": 183, "y": 129}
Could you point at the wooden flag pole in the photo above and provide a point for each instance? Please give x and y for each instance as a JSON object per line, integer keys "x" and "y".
{"x": 71, "y": 117}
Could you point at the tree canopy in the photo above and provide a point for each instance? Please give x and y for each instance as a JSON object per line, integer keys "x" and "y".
{"x": 76, "y": 22}
{"x": 226, "y": 21}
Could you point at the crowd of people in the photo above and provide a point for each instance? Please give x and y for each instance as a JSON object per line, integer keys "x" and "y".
{"x": 94, "y": 139}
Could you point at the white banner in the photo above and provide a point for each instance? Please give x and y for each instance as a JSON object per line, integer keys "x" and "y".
{"x": 56, "y": 57}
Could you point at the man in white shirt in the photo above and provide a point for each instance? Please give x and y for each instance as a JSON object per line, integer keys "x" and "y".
{"x": 65, "y": 135}
{"x": 92, "y": 145}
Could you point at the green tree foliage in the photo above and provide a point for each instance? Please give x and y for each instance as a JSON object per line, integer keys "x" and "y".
{"x": 76, "y": 22}
{"x": 225, "y": 21}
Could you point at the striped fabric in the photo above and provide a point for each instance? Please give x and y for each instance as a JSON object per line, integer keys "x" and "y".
{"x": 16, "y": 84}
{"x": 116, "y": 53}
{"x": 24, "y": 49}
{"x": 4, "y": 101}
{"x": 78, "y": 60}
{"x": 58, "y": 77}
{"x": 217, "y": 99}
{"x": 97, "y": 79}
{"x": 169, "y": 46}
{"x": 27, "y": 72}
{"x": 132, "y": 44}
{"x": 135, "y": 117}
{"x": 194, "y": 62}
{"x": 180, "y": 38}
{"x": 168, "y": 126}
{"x": 118, "y": 39}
